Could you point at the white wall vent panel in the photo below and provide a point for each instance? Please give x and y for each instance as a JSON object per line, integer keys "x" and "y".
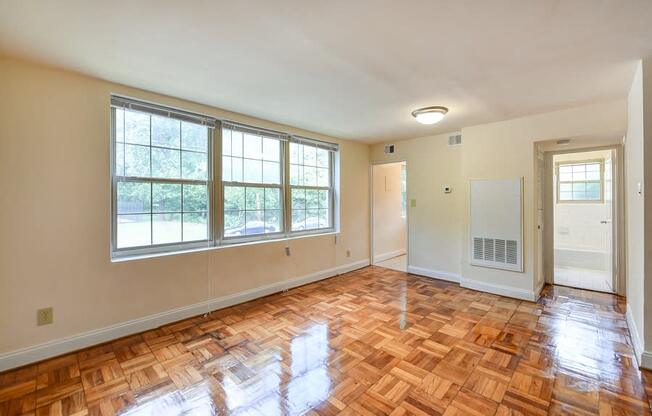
{"x": 497, "y": 223}
{"x": 455, "y": 140}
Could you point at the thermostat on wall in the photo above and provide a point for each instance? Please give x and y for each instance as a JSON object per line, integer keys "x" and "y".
{"x": 448, "y": 189}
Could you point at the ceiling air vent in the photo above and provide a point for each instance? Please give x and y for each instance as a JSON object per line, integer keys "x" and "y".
{"x": 455, "y": 140}
{"x": 389, "y": 148}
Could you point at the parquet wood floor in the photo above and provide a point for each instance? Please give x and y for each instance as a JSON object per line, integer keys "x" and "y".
{"x": 370, "y": 342}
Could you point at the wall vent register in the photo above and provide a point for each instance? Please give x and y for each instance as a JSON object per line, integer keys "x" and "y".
{"x": 496, "y": 223}
{"x": 455, "y": 140}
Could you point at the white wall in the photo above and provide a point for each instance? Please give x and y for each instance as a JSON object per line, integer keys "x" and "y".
{"x": 634, "y": 173}
{"x": 390, "y": 227}
{"x": 439, "y": 226}
{"x": 55, "y": 217}
{"x": 434, "y": 223}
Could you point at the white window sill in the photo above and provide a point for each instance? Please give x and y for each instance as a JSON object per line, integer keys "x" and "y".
{"x": 225, "y": 245}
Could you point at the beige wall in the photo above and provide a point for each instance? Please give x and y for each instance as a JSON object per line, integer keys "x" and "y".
{"x": 434, "y": 223}
{"x": 55, "y": 217}
{"x": 390, "y": 228}
{"x": 439, "y": 223}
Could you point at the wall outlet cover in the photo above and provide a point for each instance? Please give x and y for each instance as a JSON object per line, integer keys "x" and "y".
{"x": 44, "y": 316}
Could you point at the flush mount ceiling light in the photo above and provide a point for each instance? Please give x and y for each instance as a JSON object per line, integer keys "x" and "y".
{"x": 430, "y": 115}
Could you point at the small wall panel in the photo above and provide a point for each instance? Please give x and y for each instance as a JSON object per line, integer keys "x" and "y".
{"x": 497, "y": 223}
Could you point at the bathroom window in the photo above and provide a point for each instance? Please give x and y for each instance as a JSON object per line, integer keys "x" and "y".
{"x": 580, "y": 181}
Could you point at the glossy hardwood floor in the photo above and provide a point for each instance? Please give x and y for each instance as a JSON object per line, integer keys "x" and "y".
{"x": 371, "y": 342}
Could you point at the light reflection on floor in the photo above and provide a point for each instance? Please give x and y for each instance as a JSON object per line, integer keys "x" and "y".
{"x": 309, "y": 385}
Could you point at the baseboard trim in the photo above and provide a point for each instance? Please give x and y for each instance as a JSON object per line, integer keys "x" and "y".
{"x": 389, "y": 255}
{"x": 435, "y": 274}
{"x": 65, "y": 345}
{"x": 502, "y": 290}
{"x": 637, "y": 343}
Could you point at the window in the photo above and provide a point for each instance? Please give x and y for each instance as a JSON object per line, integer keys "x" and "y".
{"x": 166, "y": 196}
{"x": 310, "y": 186}
{"x": 161, "y": 178}
{"x": 580, "y": 181}
{"x": 252, "y": 182}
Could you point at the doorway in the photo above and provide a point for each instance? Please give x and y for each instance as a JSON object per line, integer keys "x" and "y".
{"x": 389, "y": 222}
{"x": 583, "y": 219}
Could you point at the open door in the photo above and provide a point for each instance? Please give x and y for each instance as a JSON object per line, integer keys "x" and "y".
{"x": 583, "y": 220}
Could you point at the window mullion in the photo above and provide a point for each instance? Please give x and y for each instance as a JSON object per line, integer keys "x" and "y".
{"x": 217, "y": 210}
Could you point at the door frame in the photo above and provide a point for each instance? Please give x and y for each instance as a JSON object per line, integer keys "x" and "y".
{"x": 617, "y": 214}
{"x": 372, "y": 259}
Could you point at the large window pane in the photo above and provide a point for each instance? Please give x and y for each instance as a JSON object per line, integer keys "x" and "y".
{"x": 255, "y": 198}
{"x": 133, "y": 197}
{"x": 195, "y": 226}
{"x": 324, "y": 199}
{"x": 226, "y": 169}
{"x": 119, "y": 125}
{"x": 166, "y": 228}
{"x": 236, "y": 143}
{"x": 312, "y": 219}
{"x": 253, "y": 171}
{"x": 309, "y": 156}
{"x": 298, "y": 198}
{"x": 194, "y": 137}
{"x": 312, "y": 198}
{"x": 166, "y": 197}
{"x": 166, "y": 132}
{"x": 136, "y": 127}
{"x": 272, "y": 173}
{"x": 234, "y": 223}
{"x": 234, "y": 198}
{"x": 194, "y": 165}
{"x": 323, "y": 177}
{"x": 272, "y": 198}
{"x": 298, "y": 219}
{"x": 137, "y": 161}
{"x": 323, "y": 158}
{"x": 134, "y": 230}
{"x": 273, "y": 220}
{"x": 119, "y": 159}
{"x": 195, "y": 198}
{"x": 255, "y": 223}
{"x": 165, "y": 163}
{"x": 253, "y": 146}
{"x": 271, "y": 150}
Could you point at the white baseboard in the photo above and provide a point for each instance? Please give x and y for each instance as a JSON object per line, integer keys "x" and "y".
{"x": 65, "y": 345}
{"x": 538, "y": 290}
{"x": 386, "y": 256}
{"x": 502, "y": 290}
{"x": 637, "y": 342}
{"x": 435, "y": 274}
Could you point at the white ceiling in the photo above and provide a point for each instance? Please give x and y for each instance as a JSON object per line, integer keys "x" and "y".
{"x": 351, "y": 69}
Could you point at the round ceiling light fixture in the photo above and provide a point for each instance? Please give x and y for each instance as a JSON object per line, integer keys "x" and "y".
{"x": 430, "y": 115}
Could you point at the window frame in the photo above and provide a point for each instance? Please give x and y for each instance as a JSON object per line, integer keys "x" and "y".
{"x": 215, "y": 185}
{"x": 181, "y": 115}
{"x": 331, "y": 188}
{"x": 222, "y": 184}
{"x": 600, "y": 181}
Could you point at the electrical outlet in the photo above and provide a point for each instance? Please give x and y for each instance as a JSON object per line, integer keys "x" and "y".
{"x": 287, "y": 251}
{"x": 348, "y": 253}
{"x": 44, "y": 316}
